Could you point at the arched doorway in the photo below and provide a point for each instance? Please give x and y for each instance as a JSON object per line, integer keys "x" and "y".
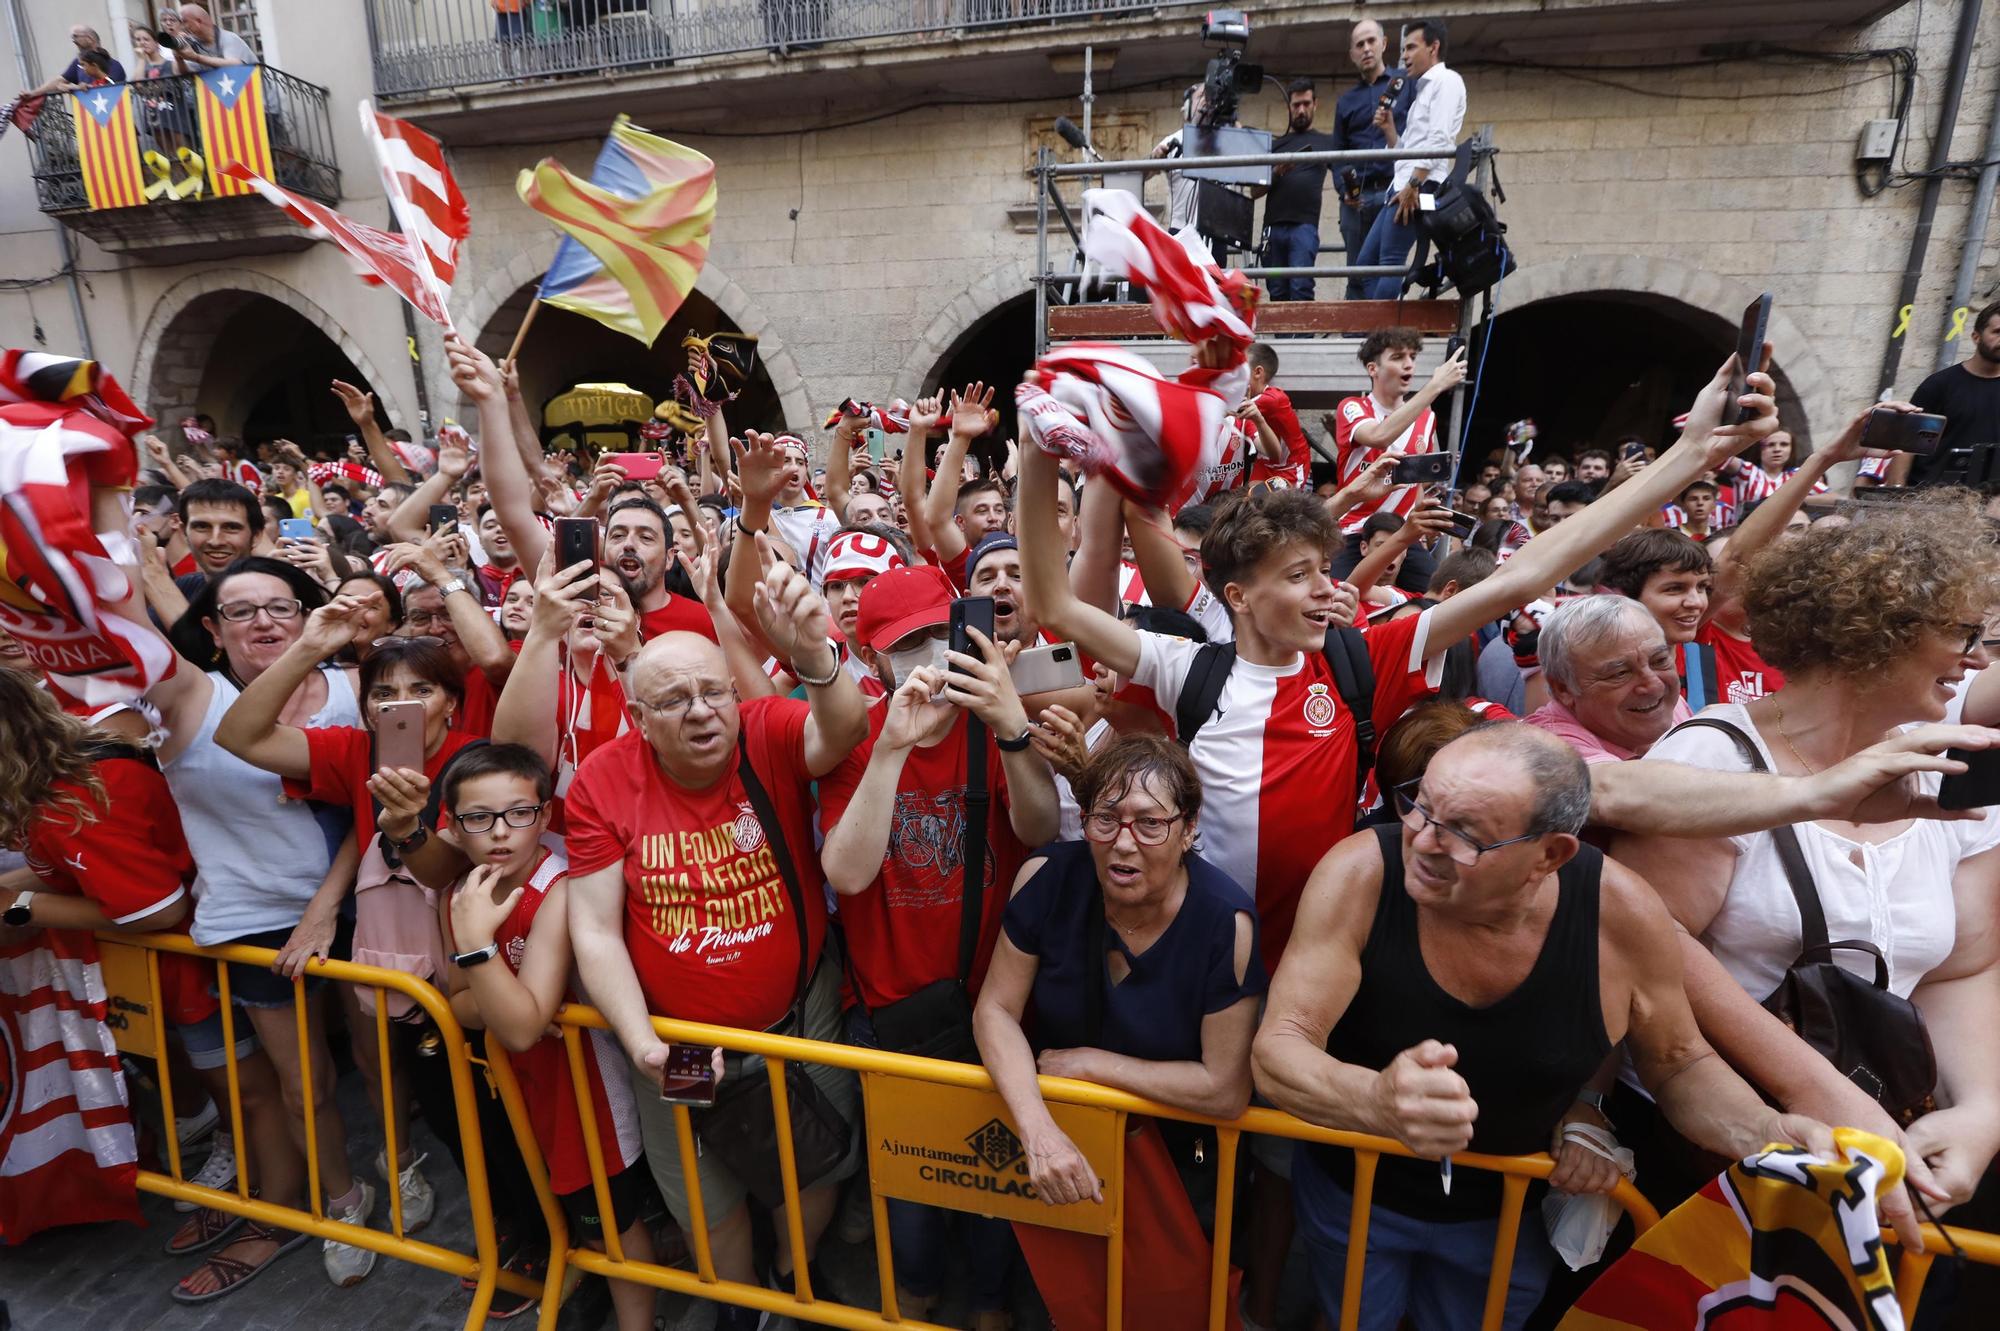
{"x": 1590, "y": 368}
{"x": 260, "y": 367}
{"x": 564, "y": 349}
{"x": 997, "y": 350}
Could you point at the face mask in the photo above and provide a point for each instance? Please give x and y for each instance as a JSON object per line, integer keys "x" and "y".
{"x": 905, "y": 663}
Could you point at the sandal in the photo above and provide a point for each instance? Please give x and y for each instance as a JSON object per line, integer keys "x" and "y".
{"x": 235, "y": 1273}
{"x": 202, "y": 1230}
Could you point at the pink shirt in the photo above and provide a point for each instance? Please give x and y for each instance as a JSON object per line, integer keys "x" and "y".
{"x": 1560, "y": 721}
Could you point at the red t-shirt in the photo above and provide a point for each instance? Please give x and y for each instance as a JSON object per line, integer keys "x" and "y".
{"x": 708, "y": 920}
{"x": 132, "y": 861}
{"x": 186, "y": 565}
{"x": 1420, "y": 437}
{"x": 902, "y": 930}
{"x": 681, "y": 614}
{"x": 1276, "y": 407}
{"x": 1741, "y": 675}
{"x": 343, "y": 758}
{"x": 473, "y": 717}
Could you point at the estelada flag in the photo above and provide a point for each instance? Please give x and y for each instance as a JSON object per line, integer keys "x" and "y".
{"x": 1782, "y": 1241}
{"x": 106, "y": 148}
{"x": 637, "y": 230}
{"x": 230, "y": 103}
{"x": 67, "y": 1151}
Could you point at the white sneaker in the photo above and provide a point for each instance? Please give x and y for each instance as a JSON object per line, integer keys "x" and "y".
{"x": 346, "y": 1264}
{"x": 193, "y": 1129}
{"x": 419, "y": 1200}
{"x": 218, "y": 1171}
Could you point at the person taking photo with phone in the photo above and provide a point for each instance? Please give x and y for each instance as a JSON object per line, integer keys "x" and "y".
{"x": 1389, "y": 419}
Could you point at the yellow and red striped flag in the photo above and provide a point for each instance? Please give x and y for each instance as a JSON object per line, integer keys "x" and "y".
{"x": 637, "y": 231}
{"x": 106, "y": 147}
{"x": 230, "y": 103}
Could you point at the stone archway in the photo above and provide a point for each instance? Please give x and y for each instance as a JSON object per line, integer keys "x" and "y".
{"x": 189, "y": 317}
{"x": 959, "y": 321}
{"x": 493, "y": 312}
{"x": 1694, "y": 296}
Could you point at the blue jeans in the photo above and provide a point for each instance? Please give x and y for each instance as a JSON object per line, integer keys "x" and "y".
{"x": 1433, "y": 1272}
{"x": 918, "y": 1234}
{"x": 1354, "y": 224}
{"x": 1388, "y": 242}
{"x": 1291, "y": 245}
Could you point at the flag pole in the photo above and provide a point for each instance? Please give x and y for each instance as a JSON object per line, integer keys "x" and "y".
{"x": 521, "y": 333}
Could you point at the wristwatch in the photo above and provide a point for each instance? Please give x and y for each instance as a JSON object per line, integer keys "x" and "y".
{"x": 410, "y": 842}
{"x": 1016, "y": 744}
{"x": 21, "y": 913}
{"x": 1597, "y": 1100}
{"x": 478, "y": 958}
{"x": 450, "y": 585}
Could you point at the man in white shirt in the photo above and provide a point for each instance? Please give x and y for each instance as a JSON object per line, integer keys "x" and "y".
{"x": 1435, "y": 118}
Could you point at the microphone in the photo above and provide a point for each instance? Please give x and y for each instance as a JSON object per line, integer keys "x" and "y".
{"x": 1067, "y": 130}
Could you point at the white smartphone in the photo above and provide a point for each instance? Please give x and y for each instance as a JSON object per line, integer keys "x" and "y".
{"x": 1046, "y": 669}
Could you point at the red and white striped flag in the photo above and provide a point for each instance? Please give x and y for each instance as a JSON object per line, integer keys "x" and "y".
{"x": 326, "y": 473}
{"x": 381, "y": 258}
{"x": 424, "y": 197}
{"x": 67, "y": 1151}
{"x": 1191, "y": 296}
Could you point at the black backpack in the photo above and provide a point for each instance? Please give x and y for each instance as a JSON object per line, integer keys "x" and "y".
{"x": 1346, "y": 652}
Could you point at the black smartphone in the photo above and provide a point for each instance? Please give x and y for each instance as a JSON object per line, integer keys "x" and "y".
{"x": 1749, "y": 354}
{"x": 444, "y": 517}
{"x": 689, "y": 1077}
{"x": 1463, "y": 525}
{"x": 971, "y": 612}
{"x": 1452, "y": 345}
{"x": 576, "y": 542}
{"x": 1422, "y": 469}
{"x": 1632, "y": 452}
{"x": 1904, "y": 431}
{"x": 1978, "y": 786}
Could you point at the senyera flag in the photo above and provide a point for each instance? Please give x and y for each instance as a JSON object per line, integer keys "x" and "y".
{"x": 230, "y": 105}
{"x": 381, "y": 258}
{"x": 637, "y": 232}
{"x": 424, "y": 196}
{"x": 65, "y": 453}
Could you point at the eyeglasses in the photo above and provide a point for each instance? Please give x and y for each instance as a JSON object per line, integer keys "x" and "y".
{"x": 241, "y": 612}
{"x": 1974, "y": 634}
{"x": 427, "y": 617}
{"x": 398, "y": 641}
{"x": 680, "y": 704}
{"x": 521, "y": 815}
{"x": 1462, "y": 848}
{"x": 1147, "y": 829}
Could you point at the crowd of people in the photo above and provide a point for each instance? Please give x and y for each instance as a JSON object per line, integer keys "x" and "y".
{"x": 1481, "y": 817}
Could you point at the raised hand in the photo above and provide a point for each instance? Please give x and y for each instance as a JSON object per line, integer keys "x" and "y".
{"x": 472, "y": 370}
{"x": 972, "y": 411}
{"x": 913, "y": 719}
{"x": 615, "y": 624}
{"x": 794, "y": 618}
{"x": 760, "y": 466}
{"x": 475, "y": 916}
{"x": 926, "y": 413}
{"x": 360, "y": 406}
{"x": 331, "y": 627}
{"x": 1450, "y": 372}
{"x": 1062, "y": 740}
{"x": 454, "y": 457}
{"x": 985, "y": 688}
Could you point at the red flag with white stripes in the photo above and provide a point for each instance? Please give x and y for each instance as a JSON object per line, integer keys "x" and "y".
{"x": 1191, "y": 296}
{"x": 424, "y": 197}
{"x": 67, "y": 1151}
{"x": 381, "y": 258}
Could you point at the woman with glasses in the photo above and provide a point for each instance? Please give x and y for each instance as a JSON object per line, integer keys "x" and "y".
{"x": 1138, "y": 960}
{"x": 1888, "y": 643}
{"x": 266, "y": 875}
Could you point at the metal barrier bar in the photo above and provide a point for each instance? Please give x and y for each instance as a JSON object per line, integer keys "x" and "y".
{"x": 235, "y": 1078}
{"x": 1226, "y": 1142}
{"x": 163, "y": 1064}
{"x": 1357, "y": 1238}
{"x": 389, "y": 1144}
{"x": 310, "y": 1112}
{"x": 507, "y": 1086}
{"x": 1153, "y": 165}
{"x": 1114, "y": 1249}
{"x": 788, "y": 1175}
{"x": 1513, "y": 1195}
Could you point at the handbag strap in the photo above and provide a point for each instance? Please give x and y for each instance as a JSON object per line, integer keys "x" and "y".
{"x": 1812, "y": 917}
{"x": 978, "y": 800}
{"x": 774, "y": 832}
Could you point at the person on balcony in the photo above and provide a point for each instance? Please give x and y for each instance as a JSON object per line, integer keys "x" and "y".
{"x": 205, "y": 46}
{"x": 1433, "y": 122}
{"x": 76, "y": 75}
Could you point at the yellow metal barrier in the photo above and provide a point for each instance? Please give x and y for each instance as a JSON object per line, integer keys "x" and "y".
{"x": 143, "y": 1031}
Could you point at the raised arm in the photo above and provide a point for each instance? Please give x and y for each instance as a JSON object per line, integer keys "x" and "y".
{"x": 523, "y": 714}
{"x": 1384, "y": 433}
{"x": 797, "y": 623}
{"x": 971, "y": 417}
{"x": 250, "y": 728}
{"x": 1045, "y": 579}
{"x": 411, "y": 519}
{"x": 912, "y": 482}
{"x": 360, "y": 408}
{"x": 1431, "y": 518}
{"x": 760, "y": 465}
{"x": 859, "y": 840}
{"x": 485, "y": 645}
{"x": 840, "y": 463}
{"x": 509, "y": 486}
{"x": 1093, "y": 569}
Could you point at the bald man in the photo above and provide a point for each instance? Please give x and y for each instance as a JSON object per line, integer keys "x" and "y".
{"x": 205, "y": 46}
{"x": 1354, "y": 126}
{"x": 1457, "y": 982}
{"x": 695, "y": 888}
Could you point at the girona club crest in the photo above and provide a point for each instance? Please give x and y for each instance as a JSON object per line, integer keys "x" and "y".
{"x": 1319, "y": 710}
{"x": 749, "y": 832}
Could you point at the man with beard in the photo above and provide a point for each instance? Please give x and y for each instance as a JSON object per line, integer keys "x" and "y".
{"x": 1291, "y": 209}
{"x": 638, "y": 547}
{"x": 1967, "y": 395}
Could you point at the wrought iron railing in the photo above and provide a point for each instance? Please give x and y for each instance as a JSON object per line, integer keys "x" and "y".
{"x": 165, "y": 121}
{"x": 427, "y": 46}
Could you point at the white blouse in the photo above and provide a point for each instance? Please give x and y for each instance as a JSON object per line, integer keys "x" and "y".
{"x": 1895, "y": 894}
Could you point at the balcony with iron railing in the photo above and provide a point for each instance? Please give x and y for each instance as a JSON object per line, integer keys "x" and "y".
{"x": 175, "y": 212}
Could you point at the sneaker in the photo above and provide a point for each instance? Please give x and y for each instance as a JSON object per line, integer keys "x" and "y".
{"x": 419, "y": 1198}
{"x": 507, "y": 1305}
{"x": 346, "y": 1264}
{"x": 193, "y": 1129}
{"x": 218, "y": 1171}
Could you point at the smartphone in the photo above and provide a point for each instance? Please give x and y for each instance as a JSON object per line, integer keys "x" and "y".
{"x": 970, "y": 612}
{"x": 576, "y": 541}
{"x": 296, "y": 529}
{"x": 399, "y": 736}
{"x": 1453, "y": 345}
{"x": 444, "y": 517}
{"x": 1904, "y": 431}
{"x": 1463, "y": 525}
{"x": 1422, "y": 469}
{"x": 637, "y": 466}
{"x": 689, "y": 1077}
{"x": 878, "y": 443}
{"x": 1632, "y": 452}
{"x": 1749, "y": 354}
{"x": 1045, "y": 669}
{"x": 1978, "y": 786}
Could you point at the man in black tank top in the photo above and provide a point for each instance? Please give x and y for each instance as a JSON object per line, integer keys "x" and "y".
{"x": 1453, "y": 983}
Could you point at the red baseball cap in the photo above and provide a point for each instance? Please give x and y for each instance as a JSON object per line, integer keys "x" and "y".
{"x": 901, "y": 601}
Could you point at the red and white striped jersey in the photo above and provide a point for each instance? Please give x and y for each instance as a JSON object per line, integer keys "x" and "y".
{"x": 1724, "y": 515}
{"x": 1421, "y": 437}
{"x": 1754, "y": 484}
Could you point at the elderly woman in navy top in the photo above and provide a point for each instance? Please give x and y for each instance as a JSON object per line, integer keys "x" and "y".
{"x": 1167, "y": 942}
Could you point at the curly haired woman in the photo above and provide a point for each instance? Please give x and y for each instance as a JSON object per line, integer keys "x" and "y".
{"x": 1875, "y": 624}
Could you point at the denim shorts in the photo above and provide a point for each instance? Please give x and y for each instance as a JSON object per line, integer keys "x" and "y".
{"x": 203, "y": 1041}
{"x": 260, "y": 986}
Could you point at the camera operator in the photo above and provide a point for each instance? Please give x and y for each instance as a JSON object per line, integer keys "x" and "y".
{"x": 1291, "y": 208}
{"x": 1436, "y": 115}
{"x": 1354, "y": 126}
{"x": 1181, "y": 188}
